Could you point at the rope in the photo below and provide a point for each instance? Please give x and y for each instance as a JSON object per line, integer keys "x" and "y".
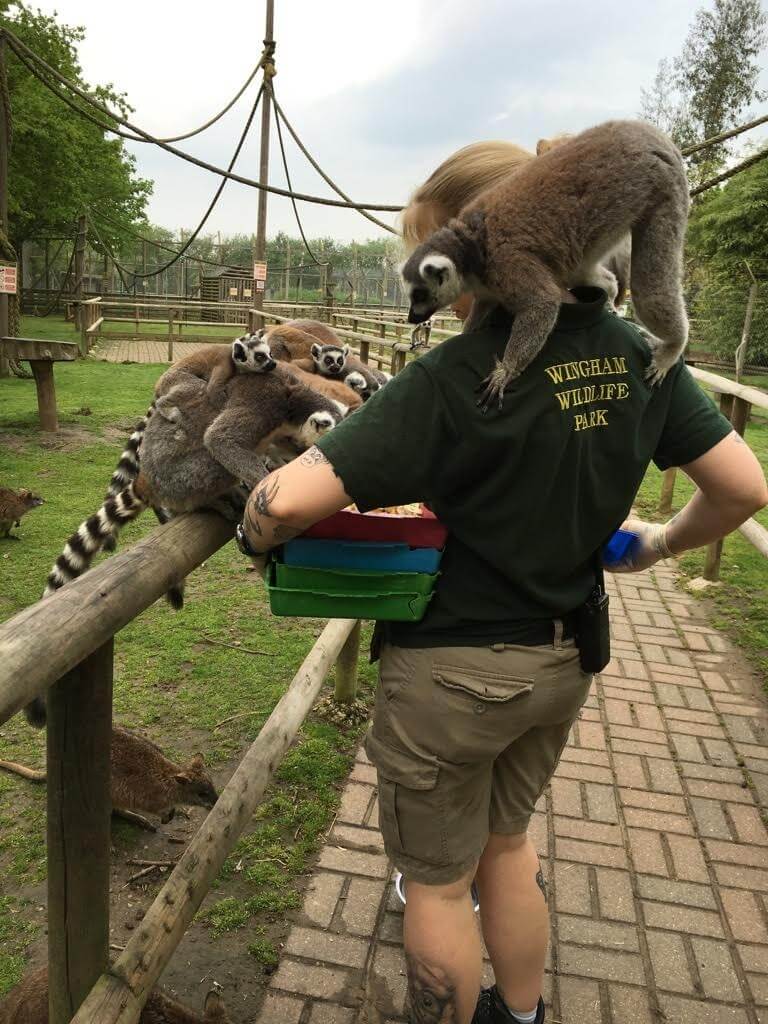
{"x": 211, "y": 205}
{"x": 109, "y": 253}
{"x": 755, "y": 158}
{"x": 218, "y": 117}
{"x": 29, "y": 58}
{"x": 307, "y": 246}
{"x": 160, "y": 245}
{"x": 280, "y": 115}
{"x": 723, "y": 136}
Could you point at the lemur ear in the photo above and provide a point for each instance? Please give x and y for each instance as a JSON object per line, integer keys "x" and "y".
{"x": 238, "y": 351}
{"x": 316, "y": 350}
{"x": 345, "y": 351}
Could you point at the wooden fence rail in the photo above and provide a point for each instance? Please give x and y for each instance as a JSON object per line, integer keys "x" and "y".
{"x": 736, "y": 401}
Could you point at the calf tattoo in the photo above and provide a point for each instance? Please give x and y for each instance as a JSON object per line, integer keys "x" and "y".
{"x": 431, "y": 995}
{"x": 542, "y": 884}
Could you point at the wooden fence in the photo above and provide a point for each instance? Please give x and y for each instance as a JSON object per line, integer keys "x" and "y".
{"x": 736, "y": 401}
{"x": 63, "y": 646}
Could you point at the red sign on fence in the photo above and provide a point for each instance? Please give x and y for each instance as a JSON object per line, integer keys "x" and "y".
{"x": 8, "y": 277}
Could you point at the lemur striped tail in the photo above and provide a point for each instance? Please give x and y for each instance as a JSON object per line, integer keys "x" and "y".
{"x": 92, "y": 535}
{"x": 125, "y": 472}
{"x": 127, "y": 468}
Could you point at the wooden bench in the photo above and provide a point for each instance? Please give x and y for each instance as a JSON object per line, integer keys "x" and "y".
{"x": 41, "y": 356}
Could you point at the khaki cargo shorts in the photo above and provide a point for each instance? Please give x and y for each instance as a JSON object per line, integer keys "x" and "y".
{"x": 465, "y": 739}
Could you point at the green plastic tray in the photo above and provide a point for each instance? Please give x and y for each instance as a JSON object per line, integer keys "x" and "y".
{"x": 344, "y": 581}
{"x": 402, "y": 607}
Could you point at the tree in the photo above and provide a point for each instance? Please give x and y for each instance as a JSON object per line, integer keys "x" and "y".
{"x": 713, "y": 81}
{"x": 729, "y": 230}
{"x": 60, "y": 164}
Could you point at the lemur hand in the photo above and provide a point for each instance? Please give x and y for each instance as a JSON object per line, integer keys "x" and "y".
{"x": 650, "y": 546}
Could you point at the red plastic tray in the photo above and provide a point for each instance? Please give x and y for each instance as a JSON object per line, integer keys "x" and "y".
{"x": 424, "y": 531}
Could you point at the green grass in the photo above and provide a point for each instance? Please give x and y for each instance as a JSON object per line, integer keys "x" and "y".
{"x": 741, "y": 601}
{"x": 169, "y": 682}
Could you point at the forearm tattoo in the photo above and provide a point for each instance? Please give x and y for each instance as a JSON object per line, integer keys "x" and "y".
{"x": 431, "y": 995}
{"x": 313, "y": 457}
{"x": 259, "y": 517}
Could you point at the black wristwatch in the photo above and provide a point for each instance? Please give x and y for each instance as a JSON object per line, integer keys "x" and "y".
{"x": 244, "y": 544}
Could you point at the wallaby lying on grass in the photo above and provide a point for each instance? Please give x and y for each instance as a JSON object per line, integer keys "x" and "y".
{"x": 28, "y": 1004}
{"x": 144, "y": 779}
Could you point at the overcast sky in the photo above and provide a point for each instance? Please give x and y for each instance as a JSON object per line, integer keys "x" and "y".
{"x": 380, "y": 93}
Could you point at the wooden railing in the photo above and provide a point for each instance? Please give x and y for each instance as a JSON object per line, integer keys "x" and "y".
{"x": 63, "y": 646}
{"x": 736, "y": 401}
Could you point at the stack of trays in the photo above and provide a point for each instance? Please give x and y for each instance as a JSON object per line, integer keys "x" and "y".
{"x": 354, "y": 566}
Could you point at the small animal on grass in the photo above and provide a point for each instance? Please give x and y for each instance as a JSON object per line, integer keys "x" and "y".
{"x": 619, "y": 260}
{"x": 14, "y": 505}
{"x": 210, "y": 368}
{"x": 143, "y": 780}
{"x": 336, "y": 362}
{"x": 547, "y": 227}
{"x": 27, "y": 1003}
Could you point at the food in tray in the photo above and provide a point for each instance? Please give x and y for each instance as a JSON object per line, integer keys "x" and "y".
{"x": 412, "y": 509}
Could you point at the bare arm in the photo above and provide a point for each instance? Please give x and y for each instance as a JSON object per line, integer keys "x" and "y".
{"x": 289, "y": 500}
{"x": 731, "y": 486}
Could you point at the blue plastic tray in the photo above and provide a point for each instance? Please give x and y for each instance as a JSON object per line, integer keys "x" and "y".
{"x": 341, "y": 554}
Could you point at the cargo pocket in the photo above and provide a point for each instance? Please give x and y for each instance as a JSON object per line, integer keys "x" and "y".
{"x": 410, "y": 818}
{"x": 490, "y": 687}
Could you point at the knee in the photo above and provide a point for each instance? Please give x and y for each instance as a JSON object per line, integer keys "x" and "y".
{"x": 449, "y": 892}
{"x": 500, "y": 844}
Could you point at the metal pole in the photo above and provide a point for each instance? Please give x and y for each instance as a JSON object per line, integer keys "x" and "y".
{"x": 260, "y": 244}
{"x": 5, "y": 121}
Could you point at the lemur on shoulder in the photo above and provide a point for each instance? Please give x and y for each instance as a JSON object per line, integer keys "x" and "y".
{"x": 548, "y": 226}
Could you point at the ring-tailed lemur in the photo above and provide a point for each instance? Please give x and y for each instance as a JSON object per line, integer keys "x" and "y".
{"x": 335, "y": 362}
{"x": 548, "y": 226}
{"x": 206, "y": 458}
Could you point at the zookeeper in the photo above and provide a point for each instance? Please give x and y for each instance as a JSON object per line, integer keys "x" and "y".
{"x": 475, "y": 702}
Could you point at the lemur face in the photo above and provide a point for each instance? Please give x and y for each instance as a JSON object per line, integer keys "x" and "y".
{"x": 431, "y": 281}
{"x": 251, "y": 354}
{"x": 330, "y": 360}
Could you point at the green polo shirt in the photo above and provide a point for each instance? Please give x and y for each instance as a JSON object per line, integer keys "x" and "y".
{"x": 529, "y": 492}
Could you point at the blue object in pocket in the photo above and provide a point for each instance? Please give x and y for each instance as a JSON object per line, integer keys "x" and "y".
{"x": 618, "y": 547}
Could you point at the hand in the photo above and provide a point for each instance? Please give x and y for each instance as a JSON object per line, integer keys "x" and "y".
{"x": 650, "y": 546}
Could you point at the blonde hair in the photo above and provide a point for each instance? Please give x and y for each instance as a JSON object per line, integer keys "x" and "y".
{"x": 457, "y": 181}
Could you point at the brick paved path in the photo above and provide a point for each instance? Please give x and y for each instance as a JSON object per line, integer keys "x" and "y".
{"x": 651, "y": 835}
{"x": 142, "y": 350}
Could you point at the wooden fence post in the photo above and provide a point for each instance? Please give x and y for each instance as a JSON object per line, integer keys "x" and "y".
{"x": 42, "y": 370}
{"x": 346, "y": 668}
{"x": 739, "y": 415}
{"x": 171, "y": 315}
{"x": 364, "y": 351}
{"x": 667, "y": 490}
{"x": 79, "y": 810}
